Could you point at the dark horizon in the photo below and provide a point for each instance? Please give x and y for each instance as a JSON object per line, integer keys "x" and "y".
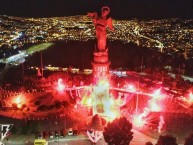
{"x": 122, "y": 9}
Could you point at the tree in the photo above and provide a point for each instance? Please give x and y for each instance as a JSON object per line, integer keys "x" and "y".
{"x": 2, "y": 65}
{"x": 189, "y": 140}
{"x": 118, "y": 132}
{"x": 37, "y": 103}
{"x": 58, "y": 104}
{"x": 166, "y": 140}
{"x": 65, "y": 104}
{"x": 42, "y": 108}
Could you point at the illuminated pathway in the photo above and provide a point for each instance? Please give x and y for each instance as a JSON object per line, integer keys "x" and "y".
{"x": 20, "y": 57}
{"x": 160, "y": 44}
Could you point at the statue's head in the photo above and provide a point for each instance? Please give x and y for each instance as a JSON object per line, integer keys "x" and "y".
{"x": 105, "y": 11}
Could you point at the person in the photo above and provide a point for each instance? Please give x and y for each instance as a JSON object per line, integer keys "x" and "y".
{"x": 100, "y": 23}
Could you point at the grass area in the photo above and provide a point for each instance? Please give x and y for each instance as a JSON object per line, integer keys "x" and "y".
{"x": 38, "y": 47}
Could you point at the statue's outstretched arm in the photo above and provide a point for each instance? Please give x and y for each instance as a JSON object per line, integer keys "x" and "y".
{"x": 94, "y": 17}
{"x": 110, "y": 24}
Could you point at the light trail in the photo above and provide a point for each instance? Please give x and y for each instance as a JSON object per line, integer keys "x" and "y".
{"x": 160, "y": 44}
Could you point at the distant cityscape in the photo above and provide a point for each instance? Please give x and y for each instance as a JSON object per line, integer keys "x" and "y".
{"x": 174, "y": 36}
{"x": 141, "y": 91}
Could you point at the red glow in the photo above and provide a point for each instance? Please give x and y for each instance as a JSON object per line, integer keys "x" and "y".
{"x": 153, "y": 106}
{"x": 112, "y": 101}
{"x": 131, "y": 88}
{"x": 161, "y": 123}
{"x": 157, "y": 95}
{"x": 60, "y": 86}
{"x": 153, "y": 103}
{"x": 113, "y": 115}
{"x": 139, "y": 121}
{"x": 89, "y": 102}
{"x": 19, "y": 101}
{"x": 191, "y": 97}
{"x": 103, "y": 82}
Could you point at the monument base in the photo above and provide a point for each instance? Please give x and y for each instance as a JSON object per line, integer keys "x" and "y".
{"x": 100, "y": 70}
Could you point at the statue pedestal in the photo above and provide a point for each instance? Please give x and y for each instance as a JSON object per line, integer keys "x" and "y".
{"x": 100, "y": 65}
{"x": 100, "y": 69}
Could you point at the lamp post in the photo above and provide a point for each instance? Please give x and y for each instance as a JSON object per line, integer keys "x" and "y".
{"x": 65, "y": 123}
{"x": 56, "y": 123}
{"x": 42, "y": 69}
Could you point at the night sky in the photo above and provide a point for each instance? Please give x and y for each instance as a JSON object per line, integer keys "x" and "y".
{"x": 120, "y": 9}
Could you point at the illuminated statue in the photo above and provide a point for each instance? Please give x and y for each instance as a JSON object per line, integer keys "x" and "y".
{"x": 101, "y": 23}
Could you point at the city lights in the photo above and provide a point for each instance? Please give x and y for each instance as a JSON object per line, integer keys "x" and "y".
{"x": 120, "y": 80}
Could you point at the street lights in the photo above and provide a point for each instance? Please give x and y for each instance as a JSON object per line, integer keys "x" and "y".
{"x": 65, "y": 123}
{"x": 56, "y": 123}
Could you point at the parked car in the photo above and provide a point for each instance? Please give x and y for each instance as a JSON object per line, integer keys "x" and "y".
{"x": 40, "y": 142}
{"x": 70, "y": 132}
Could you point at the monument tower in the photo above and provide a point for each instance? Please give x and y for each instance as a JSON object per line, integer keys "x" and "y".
{"x": 100, "y": 61}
